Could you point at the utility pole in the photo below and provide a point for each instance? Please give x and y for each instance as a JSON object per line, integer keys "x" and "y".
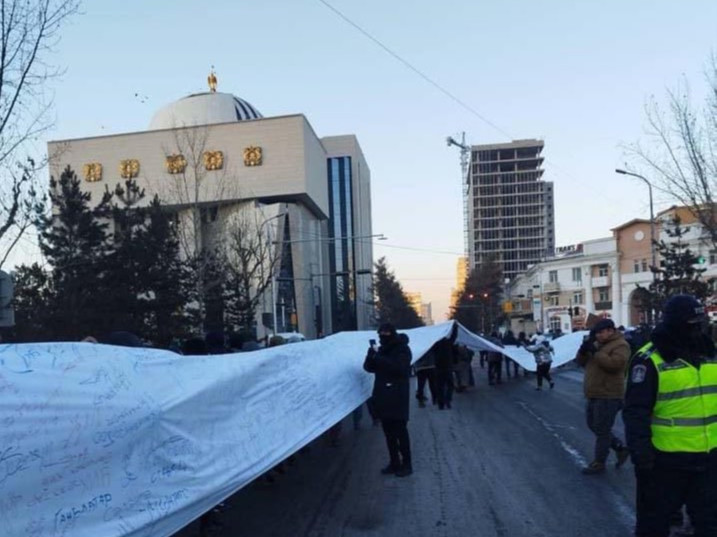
{"x": 465, "y": 151}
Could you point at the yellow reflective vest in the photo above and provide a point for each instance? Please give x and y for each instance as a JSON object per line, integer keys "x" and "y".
{"x": 685, "y": 415}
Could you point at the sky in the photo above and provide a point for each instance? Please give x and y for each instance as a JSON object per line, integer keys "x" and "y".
{"x": 575, "y": 74}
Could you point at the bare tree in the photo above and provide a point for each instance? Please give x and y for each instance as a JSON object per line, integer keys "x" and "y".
{"x": 681, "y": 156}
{"x": 198, "y": 180}
{"x": 250, "y": 259}
{"x": 29, "y": 30}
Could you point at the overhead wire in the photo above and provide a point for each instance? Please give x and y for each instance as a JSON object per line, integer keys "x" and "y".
{"x": 612, "y": 207}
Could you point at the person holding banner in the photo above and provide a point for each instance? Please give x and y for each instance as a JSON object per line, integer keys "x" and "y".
{"x": 391, "y": 365}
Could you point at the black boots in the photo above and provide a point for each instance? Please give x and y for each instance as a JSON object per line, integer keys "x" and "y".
{"x": 404, "y": 470}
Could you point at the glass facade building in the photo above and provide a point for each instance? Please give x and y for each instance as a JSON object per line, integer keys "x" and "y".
{"x": 342, "y": 264}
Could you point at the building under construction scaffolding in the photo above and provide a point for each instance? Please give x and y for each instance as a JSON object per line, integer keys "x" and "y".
{"x": 511, "y": 207}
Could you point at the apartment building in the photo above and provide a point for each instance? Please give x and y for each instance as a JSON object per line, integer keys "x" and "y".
{"x": 606, "y": 277}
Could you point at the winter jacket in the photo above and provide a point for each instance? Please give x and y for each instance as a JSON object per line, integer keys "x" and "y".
{"x": 445, "y": 354}
{"x": 605, "y": 366}
{"x": 391, "y": 364}
{"x": 542, "y": 354}
{"x": 641, "y": 397}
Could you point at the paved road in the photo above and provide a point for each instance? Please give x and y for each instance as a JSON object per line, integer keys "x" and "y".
{"x": 505, "y": 461}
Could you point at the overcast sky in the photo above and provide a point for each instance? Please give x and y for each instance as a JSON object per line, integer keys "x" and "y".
{"x": 576, "y": 74}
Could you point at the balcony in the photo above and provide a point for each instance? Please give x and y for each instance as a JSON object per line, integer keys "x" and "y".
{"x": 551, "y": 287}
{"x": 601, "y": 281}
{"x": 601, "y": 306}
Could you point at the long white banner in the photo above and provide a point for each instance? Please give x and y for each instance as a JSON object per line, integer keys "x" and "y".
{"x": 109, "y": 441}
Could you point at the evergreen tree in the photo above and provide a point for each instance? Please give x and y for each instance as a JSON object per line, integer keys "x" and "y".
{"x": 391, "y": 303}
{"x": 678, "y": 272}
{"x": 128, "y": 261}
{"x": 75, "y": 242}
{"x": 166, "y": 293}
{"x": 478, "y": 305}
{"x": 33, "y": 303}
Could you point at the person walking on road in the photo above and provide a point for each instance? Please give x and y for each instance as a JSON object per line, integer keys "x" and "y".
{"x": 670, "y": 420}
{"x": 425, "y": 374}
{"x": 543, "y": 354}
{"x": 444, "y": 352}
{"x": 391, "y": 365}
{"x": 510, "y": 339}
{"x": 495, "y": 362}
{"x": 604, "y": 355}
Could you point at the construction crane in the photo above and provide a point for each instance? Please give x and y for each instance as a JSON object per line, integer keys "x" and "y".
{"x": 466, "y": 187}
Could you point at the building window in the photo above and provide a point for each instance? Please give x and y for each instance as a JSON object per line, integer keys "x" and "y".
{"x": 554, "y": 300}
{"x": 577, "y": 275}
{"x": 644, "y": 265}
{"x": 602, "y": 270}
{"x": 555, "y": 323}
{"x": 636, "y": 266}
{"x": 578, "y": 298}
{"x": 604, "y": 294}
{"x": 529, "y": 294}
{"x": 553, "y": 276}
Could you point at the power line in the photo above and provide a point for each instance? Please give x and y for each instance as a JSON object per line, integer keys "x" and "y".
{"x": 612, "y": 208}
{"x": 418, "y": 71}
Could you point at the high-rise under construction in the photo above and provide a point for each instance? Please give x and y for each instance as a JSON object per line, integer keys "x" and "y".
{"x": 511, "y": 207}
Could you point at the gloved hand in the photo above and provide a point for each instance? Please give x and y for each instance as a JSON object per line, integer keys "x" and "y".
{"x": 588, "y": 346}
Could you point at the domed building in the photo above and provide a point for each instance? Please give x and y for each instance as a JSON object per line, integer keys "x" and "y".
{"x": 214, "y": 158}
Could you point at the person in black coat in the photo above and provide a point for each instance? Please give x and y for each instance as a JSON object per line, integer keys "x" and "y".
{"x": 391, "y": 363}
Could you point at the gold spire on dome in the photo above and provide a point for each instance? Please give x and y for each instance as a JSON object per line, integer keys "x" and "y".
{"x": 212, "y": 81}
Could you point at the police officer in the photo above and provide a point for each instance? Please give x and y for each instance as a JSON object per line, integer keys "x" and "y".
{"x": 670, "y": 420}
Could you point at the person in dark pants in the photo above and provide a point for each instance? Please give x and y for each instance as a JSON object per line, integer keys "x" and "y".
{"x": 543, "y": 354}
{"x": 495, "y": 362}
{"x": 391, "y": 365}
{"x": 425, "y": 374}
{"x": 444, "y": 352}
{"x": 604, "y": 355}
{"x": 509, "y": 339}
{"x": 669, "y": 416}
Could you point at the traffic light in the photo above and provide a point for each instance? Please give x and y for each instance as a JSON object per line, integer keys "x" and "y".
{"x": 576, "y": 311}
{"x": 701, "y": 260}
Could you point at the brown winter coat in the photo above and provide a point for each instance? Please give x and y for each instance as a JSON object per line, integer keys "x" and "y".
{"x": 605, "y": 368}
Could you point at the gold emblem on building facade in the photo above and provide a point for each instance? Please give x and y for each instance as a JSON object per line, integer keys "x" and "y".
{"x": 129, "y": 168}
{"x": 252, "y": 156}
{"x": 175, "y": 163}
{"x": 92, "y": 172}
{"x": 213, "y": 160}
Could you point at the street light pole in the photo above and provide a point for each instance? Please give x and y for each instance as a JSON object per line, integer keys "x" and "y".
{"x": 652, "y": 217}
{"x": 273, "y": 271}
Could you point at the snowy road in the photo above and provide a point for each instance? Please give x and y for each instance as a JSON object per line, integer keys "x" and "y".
{"x": 505, "y": 461}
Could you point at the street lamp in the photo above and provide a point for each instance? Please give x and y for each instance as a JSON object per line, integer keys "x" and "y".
{"x": 273, "y": 275}
{"x": 540, "y": 287}
{"x": 652, "y": 218}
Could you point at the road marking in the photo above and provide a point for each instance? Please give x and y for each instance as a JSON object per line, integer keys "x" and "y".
{"x": 570, "y": 450}
{"x": 626, "y": 512}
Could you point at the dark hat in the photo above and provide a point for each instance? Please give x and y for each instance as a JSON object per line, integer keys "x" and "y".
{"x": 122, "y": 338}
{"x": 683, "y": 309}
{"x": 603, "y": 324}
{"x": 387, "y": 328}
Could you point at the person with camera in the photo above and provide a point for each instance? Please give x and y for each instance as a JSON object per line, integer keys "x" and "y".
{"x": 670, "y": 420}
{"x": 391, "y": 364}
{"x": 604, "y": 354}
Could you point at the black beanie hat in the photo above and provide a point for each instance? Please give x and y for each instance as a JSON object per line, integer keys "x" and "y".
{"x": 603, "y": 324}
{"x": 387, "y": 327}
{"x": 683, "y": 309}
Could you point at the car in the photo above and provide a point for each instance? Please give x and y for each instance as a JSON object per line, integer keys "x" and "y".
{"x": 291, "y": 337}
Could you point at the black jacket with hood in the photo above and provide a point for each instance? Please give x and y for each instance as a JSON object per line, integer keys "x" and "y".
{"x": 391, "y": 364}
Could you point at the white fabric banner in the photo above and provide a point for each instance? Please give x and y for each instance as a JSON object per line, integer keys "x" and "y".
{"x": 111, "y": 441}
